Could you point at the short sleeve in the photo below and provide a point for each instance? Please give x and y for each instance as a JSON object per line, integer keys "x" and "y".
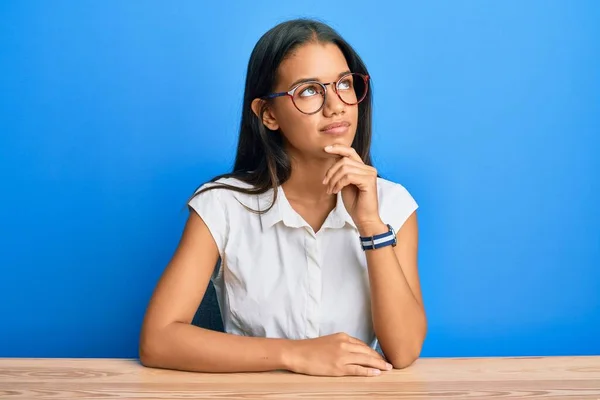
{"x": 396, "y": 204}
{"x": 210, "y": 207}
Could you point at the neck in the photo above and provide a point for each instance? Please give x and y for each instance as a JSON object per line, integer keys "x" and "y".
{"x": 306, "y": 181}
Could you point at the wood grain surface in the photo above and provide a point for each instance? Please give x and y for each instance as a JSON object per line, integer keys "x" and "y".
{"x": 441, "y": 378}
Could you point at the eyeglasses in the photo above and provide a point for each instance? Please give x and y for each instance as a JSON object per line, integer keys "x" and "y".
{"x": 309, "y": 97}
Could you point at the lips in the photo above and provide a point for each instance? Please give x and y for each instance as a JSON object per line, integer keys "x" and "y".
{"x": 336, "y": 127}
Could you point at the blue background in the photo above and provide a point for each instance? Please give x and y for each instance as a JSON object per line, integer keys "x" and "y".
{"x": 111, "y": 113}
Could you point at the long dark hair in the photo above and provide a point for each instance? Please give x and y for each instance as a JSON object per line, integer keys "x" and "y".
{"x": 261, "y": 160}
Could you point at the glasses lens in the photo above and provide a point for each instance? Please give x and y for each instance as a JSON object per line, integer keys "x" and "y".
{"x": 309, "y": 97}
{"x": 352, "y": 88}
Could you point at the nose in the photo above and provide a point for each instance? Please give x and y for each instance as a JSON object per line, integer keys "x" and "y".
{"x": 333, "y": 104}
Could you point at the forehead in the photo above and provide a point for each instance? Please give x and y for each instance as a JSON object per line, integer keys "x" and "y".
{"x": 313, "y": 60}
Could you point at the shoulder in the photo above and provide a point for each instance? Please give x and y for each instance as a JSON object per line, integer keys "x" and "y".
{"x": 224, "y": 193}
{"x": 224, "y": 187}
{"x": 223, "y": 183}
{"x": 396, "y": 203}
{"x": 387, "y": 188}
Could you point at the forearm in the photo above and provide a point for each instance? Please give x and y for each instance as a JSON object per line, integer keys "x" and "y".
{"x": 398, "y": 317}
{"x": 187, "y": 347}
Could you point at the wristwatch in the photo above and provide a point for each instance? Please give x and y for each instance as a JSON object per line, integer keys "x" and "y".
{"x": 378, "y": 241}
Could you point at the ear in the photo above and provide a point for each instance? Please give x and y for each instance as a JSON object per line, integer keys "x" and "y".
{"x": 268, "y": 119}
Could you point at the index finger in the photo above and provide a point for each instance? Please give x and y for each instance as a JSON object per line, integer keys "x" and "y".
{"x": 344, "y": 151}
{"x": 364, "y": 348}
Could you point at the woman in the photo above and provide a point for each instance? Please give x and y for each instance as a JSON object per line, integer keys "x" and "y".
{"x": 312, "y": 273}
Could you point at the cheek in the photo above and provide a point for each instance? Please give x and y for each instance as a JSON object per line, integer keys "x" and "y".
{"x": 353, "y": 114}
{"x": 297, "y": 128}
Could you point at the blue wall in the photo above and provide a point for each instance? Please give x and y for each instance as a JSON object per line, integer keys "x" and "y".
{"x": 112, "y": 112}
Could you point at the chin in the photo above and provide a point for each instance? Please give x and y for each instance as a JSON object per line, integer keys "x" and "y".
{"x": 345, "y": 140}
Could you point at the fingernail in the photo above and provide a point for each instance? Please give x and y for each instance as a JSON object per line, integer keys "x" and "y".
{"x": 376, "y": 372}
{"x": 328, "y": 148}
{"x": 324, "y": 180}
{"x": 388, "y": 366}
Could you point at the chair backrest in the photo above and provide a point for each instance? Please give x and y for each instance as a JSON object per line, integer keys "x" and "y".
{"x": 208, "y": 314}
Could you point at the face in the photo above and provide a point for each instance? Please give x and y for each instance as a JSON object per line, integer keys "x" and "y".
{"x": 307, "y": 135}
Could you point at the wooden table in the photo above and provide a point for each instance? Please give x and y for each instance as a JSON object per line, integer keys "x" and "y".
{"x": 529, "y": 377}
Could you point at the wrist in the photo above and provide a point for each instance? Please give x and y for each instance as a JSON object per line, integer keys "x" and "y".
{"x": 372, "y": 228}
{"x": 287, "y": 355}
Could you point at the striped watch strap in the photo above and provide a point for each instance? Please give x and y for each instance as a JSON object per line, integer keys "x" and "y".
{"x": 378, "y": 241}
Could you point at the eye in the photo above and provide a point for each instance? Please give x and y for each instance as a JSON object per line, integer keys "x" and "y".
{"x": 309, "y": 90}
{"x": 345, "y": 84}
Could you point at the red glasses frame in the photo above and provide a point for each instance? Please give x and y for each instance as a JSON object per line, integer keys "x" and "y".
{"x": 291, "y": 92}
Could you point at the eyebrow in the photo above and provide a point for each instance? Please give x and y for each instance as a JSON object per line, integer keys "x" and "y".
{"x": 315, "y": 79}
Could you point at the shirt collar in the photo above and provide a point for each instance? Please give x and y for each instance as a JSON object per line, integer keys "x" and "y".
{"x": 282, "y": 211}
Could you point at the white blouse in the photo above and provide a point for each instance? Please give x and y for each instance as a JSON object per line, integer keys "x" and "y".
{"x": 278, "y": 278}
